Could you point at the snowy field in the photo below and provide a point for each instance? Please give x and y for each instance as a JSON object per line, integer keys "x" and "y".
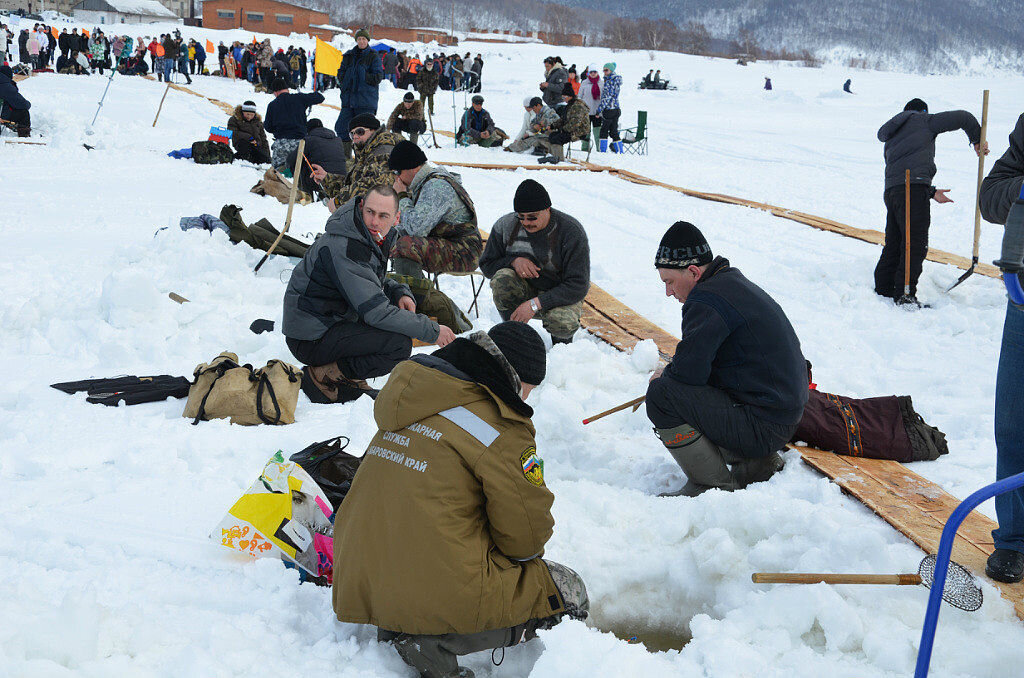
{"x": 105, "y": 565}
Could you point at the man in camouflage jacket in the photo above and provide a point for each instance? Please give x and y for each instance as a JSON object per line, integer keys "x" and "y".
{"x": 426, "y": 83}
{"x": 408, "y": 117}
{"x": 572, "y": 126}
{"x": 372, "y": 144}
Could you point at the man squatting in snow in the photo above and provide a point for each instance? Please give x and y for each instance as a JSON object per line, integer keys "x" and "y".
{"x": 737, "y": 384}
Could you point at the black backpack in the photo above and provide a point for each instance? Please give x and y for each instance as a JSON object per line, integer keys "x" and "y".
{"x": 211, "y": 153}
{"x": 330, "y": 466}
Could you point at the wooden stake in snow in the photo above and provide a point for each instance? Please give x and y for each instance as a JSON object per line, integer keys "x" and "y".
{"x": 291, "y": 204}
{"x": 977, "y": 195}
{"x": 161, "y": 107}
{"x": 635, "y": 404}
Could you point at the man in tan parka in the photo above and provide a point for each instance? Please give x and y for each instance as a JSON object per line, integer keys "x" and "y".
{"x": 438, "y": 542}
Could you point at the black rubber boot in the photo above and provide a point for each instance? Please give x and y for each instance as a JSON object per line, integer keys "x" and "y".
{"x": 425, "y": 654}
{"x": 702, "y": 461}
{"x": 1006, "y": 566}
{"x": 758, "y": 470}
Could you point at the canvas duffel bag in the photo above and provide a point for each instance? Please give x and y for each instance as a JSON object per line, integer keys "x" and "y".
{"x": 224, "y": 389}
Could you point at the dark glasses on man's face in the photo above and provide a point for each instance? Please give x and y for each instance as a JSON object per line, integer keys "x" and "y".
{"x": 359, "y": 131}
{"x": 527, "y": 217}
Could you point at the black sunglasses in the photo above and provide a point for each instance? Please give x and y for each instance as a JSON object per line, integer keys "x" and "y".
{"x": 527, "y": 217}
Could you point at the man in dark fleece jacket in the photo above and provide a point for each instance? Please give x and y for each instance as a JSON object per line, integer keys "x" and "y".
{"x": 909, "y": 139}
{"x": 538, "y": 261}
{"x": 343, "y": 317}
{"x": 15, "y": 108}
{"x": 286, "y": 120}
{"x": 737, "y": 384}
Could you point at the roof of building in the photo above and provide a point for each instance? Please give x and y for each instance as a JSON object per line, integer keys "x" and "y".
{"x": 140, "y": 7}
{"x": 291, "y": 3}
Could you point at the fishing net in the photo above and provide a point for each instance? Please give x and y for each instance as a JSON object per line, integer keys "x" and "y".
{"x": 960, "y": 590}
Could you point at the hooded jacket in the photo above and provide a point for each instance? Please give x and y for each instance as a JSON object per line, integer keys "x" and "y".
{"x": 286, "y": 114}
{"x": 324, "y": 148}
{"x": 909, "y": 138}
{"x": 9, "y": 91}
{"x": 342, "y": 278}
{"x": 1001, "y": 187}
{"x": 448, "y": 515}
{"x": 358, "y": 76}
{"x": 737, "y": 339}
{"x": 556, "y": 79}
{"x": 245, "y": 131}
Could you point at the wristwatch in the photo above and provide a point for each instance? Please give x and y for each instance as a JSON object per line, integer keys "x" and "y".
{"x": 534, "y": 305}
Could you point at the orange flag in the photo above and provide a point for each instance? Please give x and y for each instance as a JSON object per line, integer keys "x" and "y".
{"x": 209, "y": 47}
{"x": 54, "y": 32}
{"x": 85, "y": 33}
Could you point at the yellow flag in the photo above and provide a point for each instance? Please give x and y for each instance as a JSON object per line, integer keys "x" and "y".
{"x": 328, "y": 58}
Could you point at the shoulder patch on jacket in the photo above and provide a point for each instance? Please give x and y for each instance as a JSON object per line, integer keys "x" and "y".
{"x": 358, "y": 251}
{"x": 533, "y": 466}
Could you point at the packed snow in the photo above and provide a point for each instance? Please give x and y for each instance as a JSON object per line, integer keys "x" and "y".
{"x": 106, "y": 567}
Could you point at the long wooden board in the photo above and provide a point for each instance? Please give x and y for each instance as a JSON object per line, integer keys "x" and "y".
{"x": 915, "y": 506}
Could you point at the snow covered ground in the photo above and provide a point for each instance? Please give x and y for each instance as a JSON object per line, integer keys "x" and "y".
{"x": 105, "y": 564}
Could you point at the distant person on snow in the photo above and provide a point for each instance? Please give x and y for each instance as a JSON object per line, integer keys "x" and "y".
{"x": 737, "y": 384}
{"x": 453, "y": 564}
{"x": 1001, "y": 203}
{"x": 286, "y": 120}
{"x": 247, "y": 134}
{"x": 846, "y": 86}
{"x": 768, "y": 83}
{"x": 909, "y": 139}
{"x": 358, "y": 76}
{"x": 343, "y": 318}
{"x": 15, "y": 108}
{"x": 477, "y": 126}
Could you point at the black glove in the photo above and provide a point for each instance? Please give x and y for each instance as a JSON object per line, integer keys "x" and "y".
{"x": 1010, "y": 259}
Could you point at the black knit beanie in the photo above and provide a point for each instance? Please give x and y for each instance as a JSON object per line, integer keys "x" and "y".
{"x": 916, "y": 105}
{"x": 409, "y": 96}
{"x": 530, "y": 197}
{"x": 406, "y": 155}
{"x": 366, "y": 120}
{"x": 683, "y": 245}
{"x": 278, "y": 84}
{"x": 568, "y": 91}
{"x": 523, "y": 348}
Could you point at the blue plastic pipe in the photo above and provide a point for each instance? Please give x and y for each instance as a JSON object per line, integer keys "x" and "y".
{"x": 1013, "y": 288}
{"x": 931, "y": 617}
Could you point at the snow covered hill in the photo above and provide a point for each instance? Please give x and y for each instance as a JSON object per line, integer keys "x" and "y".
{"x": 106, "y": 568}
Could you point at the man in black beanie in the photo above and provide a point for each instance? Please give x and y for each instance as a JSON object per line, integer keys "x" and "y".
{"x": 737, "y": 384}
{"x": 538, "y": 261}
{"x": 373, "y": 145}
{"x": 909, "y": 139}
{"x": 452, "y": 565}
{"x": 286, "y": 120}
{"x": 438, "y": 227}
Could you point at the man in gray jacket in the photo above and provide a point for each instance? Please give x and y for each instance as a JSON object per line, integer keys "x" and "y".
{"x": 544, "y": 119}
{"x": 342, "y": 317}
{"x": 538, "y": 261}
{"x": 909, "y": 139}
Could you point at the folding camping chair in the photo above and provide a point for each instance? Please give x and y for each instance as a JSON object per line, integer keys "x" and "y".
{"x": 477, "y": 289}
{"x": 634, "y": 139}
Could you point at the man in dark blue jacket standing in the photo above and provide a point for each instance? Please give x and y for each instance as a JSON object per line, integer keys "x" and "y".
{"x": 358, "y": 77}
{"x": 286, "y": 120}
{"x": 909, "y": 139}
{"x": 737, "y": 384}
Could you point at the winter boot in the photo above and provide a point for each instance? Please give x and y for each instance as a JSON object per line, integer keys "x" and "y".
{"x": 702, "y": 461}
{"x": 346, "y": 148}
{"x": 24, "y": 131}
{"x": 617, "y": 147}
{"x": 408, "y": 267}
{"x": 602, "y": 146}
{"x": 319, "y": 382}
{"x": 1006, "y": 566}
{"x": 558, "y": 153}
{"x": 547, "y": 159}
{"x": 425, "y": 654}
{"x": 747, "y": 471}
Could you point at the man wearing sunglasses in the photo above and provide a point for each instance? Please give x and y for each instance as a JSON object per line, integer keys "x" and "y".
{"x": 538, "y": 261}
{"x": 373, "y": 145}
{"x": 438, "y": 229}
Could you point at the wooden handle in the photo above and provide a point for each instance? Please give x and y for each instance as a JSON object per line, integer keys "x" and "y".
{"x": 981, "y": 177}
{"x": 635, "y": 403}
{"x": 291, "y": 205}
{"x": 811, "y": 578}
{"x": 166, "y": 90}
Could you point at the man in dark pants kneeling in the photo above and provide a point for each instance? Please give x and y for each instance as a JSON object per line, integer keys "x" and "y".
{"x": 342, "y": 317}
{"x": 451, "y": 562}
{"x": 737, "y": 384}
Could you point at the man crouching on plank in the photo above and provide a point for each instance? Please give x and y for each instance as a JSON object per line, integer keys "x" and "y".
{"x": 737, "y": 384}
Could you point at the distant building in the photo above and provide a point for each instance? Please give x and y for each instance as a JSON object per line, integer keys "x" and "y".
{"x": 267, "y": 16}
{"x": 377, "y": 32}
{"x": 181, "y": 8}
{"x": 104, "y": 12}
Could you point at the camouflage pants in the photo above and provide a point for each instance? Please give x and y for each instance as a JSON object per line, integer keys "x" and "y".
{"x": 279, "y": 151}
{"x": 523, "y": 145}
{"x": 510, "y": 291}
{"x": 440, "y": 255}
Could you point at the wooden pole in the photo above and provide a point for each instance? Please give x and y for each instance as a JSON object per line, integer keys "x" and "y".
{"x": 291, "y": 204}
{"x": 809, "y": 578}
{"x": 635, "y": 404}
{"x": 174, "y": 296}
{"x": 166, "y": 90}
{"x": 981, "y": 177}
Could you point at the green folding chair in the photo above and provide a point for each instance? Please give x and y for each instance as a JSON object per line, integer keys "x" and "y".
{"x": 634, "y": 139}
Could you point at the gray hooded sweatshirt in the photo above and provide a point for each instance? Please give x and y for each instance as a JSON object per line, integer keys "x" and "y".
{"x": 909, "y": 139}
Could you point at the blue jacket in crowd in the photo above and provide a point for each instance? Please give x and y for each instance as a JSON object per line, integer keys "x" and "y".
{"x": 360, "y": 73}
{"x": 286, "y": 115}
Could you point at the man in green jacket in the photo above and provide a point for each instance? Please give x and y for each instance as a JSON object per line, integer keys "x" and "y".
{"x": 439, "y": 542}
